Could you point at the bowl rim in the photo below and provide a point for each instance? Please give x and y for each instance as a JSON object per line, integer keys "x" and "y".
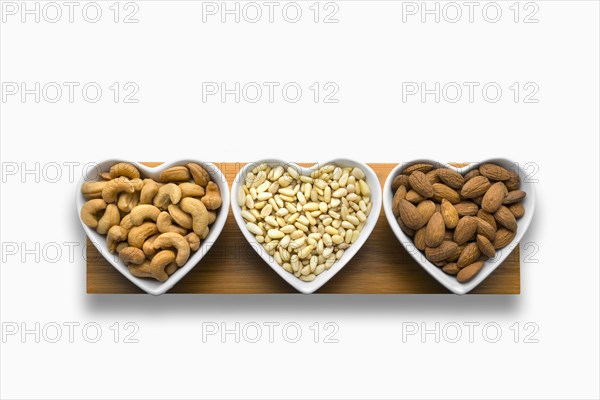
{"x": 446, "y": 280}
{"x": 320, "y": 280}
{"x": 146, "y": 284}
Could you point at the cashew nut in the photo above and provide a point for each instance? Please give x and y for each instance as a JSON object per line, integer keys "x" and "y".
{"x": 175, "y": 174}
{"x": 164, "y": 224}
{"x": 199, "y": 214}
{"x": 115, "y": 235}
{"x": 189, "y": 189}
{"x": 162, "y": 260}
{"x": 110, "y": 218}
{"x": 105, "y": 175}
{"x": 167, "y": 194}
{"x": 145, "y": 270}
{"x": 121, "y": 246}
{"x": 212, "y": 217}
{"x": 138, "y": 234}
{"x": 90, "y": 210}
{"x": 212, "y": 198}
{"x": 126, "y": 222}
{"x": 147, "y": 247}
{"x": 137, "y": 183}
{"x": 132, "y": 255}
{"x": 116, "y": 186}
{"x": 180, "y": 217}
{"x": 172, "y": 239}
{"x": 205, "y": 233}
{"x": 143, "y": 212}
{"x": 199, "y": 174}
{"x": 92, "y": 190}
{"x": 127, "y": 201}
{"x": 149, "y": 190}
{"x": 171, "y": 268}
{"x": 124, "y": 169}
{"x": 193, "y": 240}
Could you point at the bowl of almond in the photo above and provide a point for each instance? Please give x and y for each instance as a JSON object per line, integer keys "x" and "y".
{"x": 459, "y": 221}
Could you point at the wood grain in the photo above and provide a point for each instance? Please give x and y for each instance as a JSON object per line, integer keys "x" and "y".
{"x": 382, "y": 266}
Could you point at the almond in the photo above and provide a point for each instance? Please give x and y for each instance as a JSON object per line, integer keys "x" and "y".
{"x": 475, "y": 187}
{"x": 454, "y": 256}
{"x": 451, "y": 178}
{"x": 440, "y": 263}
{"x": 485, "y": 246}
{"x": 517, "y": 209}
{"x": 400, "y": 180}
{"x": 466, "y": 208}
{"x": 440, "y": 253}
{"x": 505, "y": 218}
{"x": 472, "y": 174}
{"x": 485, "y": 229}
{"x": 419, "y": 239}
{"x": 442, "y": 191}
{"x": 493, "y": 198}
{"x": 494, "y": 172}
{"x": 503, "y": 238}
{"x": 409, "y": 215}
{"x": 414, "y": 197}
{"x": 469, "y": 272}
{"x": 451, "y": 268}
{"x": 420, "y": 184}
{"x": 487, "y": 217}
{"x": 423, "y": 167}
{"x": 426, "y": 208}
{"x": 465, "y": 229}
{"x": 432, "y": 176}
{"x": 449, "y": 214}
{"x": 514, "y": 182}
{"x": 399, "y": 195}
{"x": 514, "y": 196}
{"x": 434, "y": 234}
{"x": 469, "y": 255}
{"x": 405, "y": 229}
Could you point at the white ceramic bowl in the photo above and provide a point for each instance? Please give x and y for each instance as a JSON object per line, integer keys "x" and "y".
{"x": 450, "y": 281}
{"x": 320, "y": 280}
{"x": 147, "y": 284}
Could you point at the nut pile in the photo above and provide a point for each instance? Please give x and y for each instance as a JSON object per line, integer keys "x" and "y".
{"x": 153, "y": 226}
{"x": 458, "y": 221}
{"x": 305, "y": 222}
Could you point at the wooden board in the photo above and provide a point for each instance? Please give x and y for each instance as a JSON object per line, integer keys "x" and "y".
{"x": 382, "y": 266}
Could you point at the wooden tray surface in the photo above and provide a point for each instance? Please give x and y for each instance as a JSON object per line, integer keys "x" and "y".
{"x": 382, "y": 266}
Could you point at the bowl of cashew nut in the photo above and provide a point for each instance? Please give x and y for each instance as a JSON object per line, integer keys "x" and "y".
{"x": 153, "y": 224}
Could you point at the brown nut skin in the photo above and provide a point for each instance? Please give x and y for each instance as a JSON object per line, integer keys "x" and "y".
{"x": 138, "y": 234}
{"x": 111, "y": 217}
{"x": 89, "y": 211}
{"x": 171, "y": 239}
{"x": 212, "y": 198}
{"x": 199, "y": 174}
{"x": 124, "y": 169}
{"x": 132, "y": 255}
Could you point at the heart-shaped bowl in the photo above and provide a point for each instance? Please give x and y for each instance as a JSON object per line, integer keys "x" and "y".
{"x": 149, "y": 285}
{"x": 449, "y": 281}
{"x": 320, "y": 280}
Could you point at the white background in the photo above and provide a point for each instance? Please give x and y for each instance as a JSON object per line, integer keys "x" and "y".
{"x": 368, "y": 54}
